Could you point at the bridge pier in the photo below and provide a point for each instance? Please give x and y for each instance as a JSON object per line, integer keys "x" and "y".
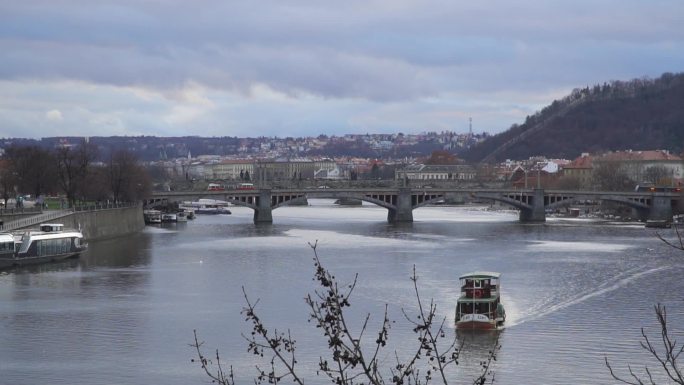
{"x": 537, "y": 212}
{"x": 404, "y": 207}
{"x": 661, "y": 209}
{"x": 263, "y": 213}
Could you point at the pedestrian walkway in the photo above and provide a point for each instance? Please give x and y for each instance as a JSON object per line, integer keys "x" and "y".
{"x": 35, "y": 219}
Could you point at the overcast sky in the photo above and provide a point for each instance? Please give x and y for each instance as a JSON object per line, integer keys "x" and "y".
{"x": 297, "y": 68}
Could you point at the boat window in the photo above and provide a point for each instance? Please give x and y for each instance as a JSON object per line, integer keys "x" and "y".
{"x": 6, "y": 246}
{"x": 478, "y": 283}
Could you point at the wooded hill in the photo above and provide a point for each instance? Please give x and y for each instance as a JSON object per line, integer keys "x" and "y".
{"x": 641, "y": 114}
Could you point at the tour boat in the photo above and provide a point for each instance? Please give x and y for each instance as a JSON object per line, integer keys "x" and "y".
{"x": 51, "y": 243}
{"x": 7, "y": 249}
{"x": 479, "y": 306}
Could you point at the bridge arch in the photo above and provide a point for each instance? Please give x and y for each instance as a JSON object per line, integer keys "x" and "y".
{"x": 622, "y": 201}
{"x": 241, "y": 203}
{"x": 429, "y": 201}
{"x": 337, "y": 195}
{"x": 504, "y": 199}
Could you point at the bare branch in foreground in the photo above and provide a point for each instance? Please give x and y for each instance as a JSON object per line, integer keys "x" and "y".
{"x": 219, "y": 376}
{"x": 679, "y": 245}
{"x": 353, "y": 357}
{"x": 666, "y": 358}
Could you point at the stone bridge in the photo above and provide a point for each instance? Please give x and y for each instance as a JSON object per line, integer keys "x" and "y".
{"x": 401, "y": 201}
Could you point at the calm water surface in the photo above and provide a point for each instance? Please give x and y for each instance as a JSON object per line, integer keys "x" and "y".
{"x": 124, "y": 313}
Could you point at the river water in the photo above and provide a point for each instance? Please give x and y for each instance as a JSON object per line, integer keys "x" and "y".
{"x": 575, "y": 291}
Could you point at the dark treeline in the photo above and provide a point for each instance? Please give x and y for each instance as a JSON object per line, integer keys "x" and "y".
{"x": 145, "y": 148}
{"x": 73, "y": 172}
{"x": 152, "y": 148}
{"x": 639, "y": 114}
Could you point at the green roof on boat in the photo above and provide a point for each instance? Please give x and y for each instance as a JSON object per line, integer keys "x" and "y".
{"x": 481, "y": 274}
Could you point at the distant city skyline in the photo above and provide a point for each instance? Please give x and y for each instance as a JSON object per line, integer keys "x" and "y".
{"x": 273, "y": 68}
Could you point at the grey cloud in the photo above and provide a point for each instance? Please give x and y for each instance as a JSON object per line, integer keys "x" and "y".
{"x": 347, "y": 65}
{"x": 378, "y": 50}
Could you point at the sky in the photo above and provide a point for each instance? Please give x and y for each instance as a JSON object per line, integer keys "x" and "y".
{"x": 304, "y": 68}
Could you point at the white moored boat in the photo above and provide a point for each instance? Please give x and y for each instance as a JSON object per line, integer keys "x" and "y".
{"x": 169, "y": 217}
{"x": 51, "y": 243}
{"x": 479, "y": 306}
{"x": 182, "y": 216}
{"x": 152, "y": 216}
{"x": 207, "y": 206}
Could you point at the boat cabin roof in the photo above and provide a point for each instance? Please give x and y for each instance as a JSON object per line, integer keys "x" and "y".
{"x": 6, "y": 237}
{"x": 481, "y": 274}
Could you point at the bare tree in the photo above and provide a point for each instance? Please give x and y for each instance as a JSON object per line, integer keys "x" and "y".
{"x": 8, "y": 180}
{"x": 96, "y": 187}
{"x": 609, "y": 176}
{"x": 352, "y": 357}
{"x": 678, "y": 244}
{"x": 33, "y": 168}
{"x": 666, "y": 357}
{"x": 72, "y": 168}
{"x": 127, "y": 179}
{"x": 658, "y": 175}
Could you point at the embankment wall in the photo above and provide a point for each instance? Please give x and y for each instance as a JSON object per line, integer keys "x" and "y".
{"x": 109, "y": 223}
{"x": 96, "y": 223}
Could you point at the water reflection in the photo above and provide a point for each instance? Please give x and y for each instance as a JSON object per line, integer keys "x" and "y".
{"x": 476, "y": 349}
{"x": 133, "y": 250}
{"x": 571, "y": 293}
{"x": 64, "y": 264}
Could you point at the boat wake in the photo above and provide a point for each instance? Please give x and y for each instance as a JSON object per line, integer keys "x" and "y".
{"x": 617, "y": 282}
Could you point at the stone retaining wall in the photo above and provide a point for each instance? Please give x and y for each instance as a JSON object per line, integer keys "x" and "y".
{"x": 109, "y": 223}
{"x": 101, "y": 223}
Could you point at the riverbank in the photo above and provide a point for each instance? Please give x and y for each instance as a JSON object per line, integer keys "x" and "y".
{"x": 107, "y": 223}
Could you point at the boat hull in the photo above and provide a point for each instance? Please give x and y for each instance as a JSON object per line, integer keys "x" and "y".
{"x": 478, "y": 322}
{"x": 476, "y": 325}
{"x": 22, "y": 261}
